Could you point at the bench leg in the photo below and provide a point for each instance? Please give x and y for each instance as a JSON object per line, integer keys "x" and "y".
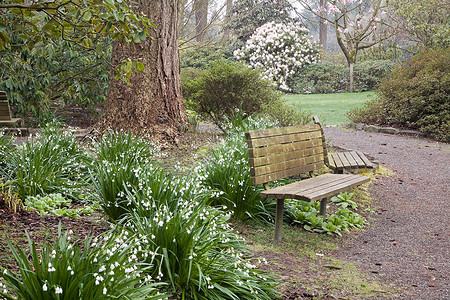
{"x": 323, "y": 206}
{"x": 279, "y": 220}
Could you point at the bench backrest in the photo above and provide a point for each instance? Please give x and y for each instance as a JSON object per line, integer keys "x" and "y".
{"x": 277, "y": 153}
{"x": 5, "y": 113}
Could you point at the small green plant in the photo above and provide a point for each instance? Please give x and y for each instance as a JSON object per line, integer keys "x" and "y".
{"x": 9, "y": 198}
{"x": 57, "y": 205}
{"x": 98, "y": 270}
{"x": 344, "y": 200}
{"x": 307, "y": 214}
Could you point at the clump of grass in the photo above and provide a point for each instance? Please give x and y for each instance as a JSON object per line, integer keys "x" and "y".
{"x": 227, "y": 173}
{"x": 64, "y": 270}
{"x": 53, "y": 163}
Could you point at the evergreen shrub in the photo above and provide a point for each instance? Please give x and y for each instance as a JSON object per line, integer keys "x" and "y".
{"x": 415, "y": 96}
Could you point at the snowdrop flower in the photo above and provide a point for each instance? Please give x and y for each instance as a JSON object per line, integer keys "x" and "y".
{"x": 44, "y": 287}
{"x": 58, "y": 290}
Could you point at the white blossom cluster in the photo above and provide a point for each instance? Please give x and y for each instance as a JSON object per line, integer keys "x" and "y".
{"x": 279, "y": 51}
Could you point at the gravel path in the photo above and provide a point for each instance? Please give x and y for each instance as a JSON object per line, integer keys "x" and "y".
{"x": 408, "y": 243}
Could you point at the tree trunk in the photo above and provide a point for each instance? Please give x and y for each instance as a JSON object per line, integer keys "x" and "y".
{"x": 323, "y": 36}
{"x": 227, "y": 30}
{"x": 152, "y": 103}
{"x": 201, "y": 19}
{"x": 350, "y": 67}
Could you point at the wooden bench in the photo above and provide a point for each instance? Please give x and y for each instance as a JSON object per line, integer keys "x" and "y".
{"x": 278, "y": 153}
{"x": 5, "y": 112}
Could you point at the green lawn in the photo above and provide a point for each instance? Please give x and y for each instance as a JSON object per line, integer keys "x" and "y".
{"x": 331, "y": 108}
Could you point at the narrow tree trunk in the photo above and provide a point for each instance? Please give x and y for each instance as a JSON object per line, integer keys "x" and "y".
{"x": 152, "y": 102}
{"x": 350, "y": 67}
{"x": 323, "y": 34}
{"x": 227, "y": 30}
{"x": 201, "y": 19}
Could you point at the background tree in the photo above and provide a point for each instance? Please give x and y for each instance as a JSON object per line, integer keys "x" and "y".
{"x": 201, "y": 19}
{"x": 358, "y": 25}
{"x": 152, "y": 101}
{"x": 58, "y": 52}
{"x": 426, "y": 23}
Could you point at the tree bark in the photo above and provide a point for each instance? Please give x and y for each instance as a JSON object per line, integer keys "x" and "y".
{"x": 227, "y": 30}
{"x": 323, "y": 34}
{"x": 152, "y": 103}
{"x": 201, "y": 19}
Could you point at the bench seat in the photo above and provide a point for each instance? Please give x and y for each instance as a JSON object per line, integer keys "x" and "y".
{"x": 351, "y": 161}
{"x": 316, "y": 188}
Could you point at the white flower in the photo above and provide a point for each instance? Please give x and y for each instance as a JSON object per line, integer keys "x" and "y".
{"x": 58, "y": 290}
{"x": 104, "y": 291}
{"x": 44, "y": 287}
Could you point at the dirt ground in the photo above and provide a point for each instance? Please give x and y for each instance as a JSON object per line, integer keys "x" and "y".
{"x": 408, "y": 243}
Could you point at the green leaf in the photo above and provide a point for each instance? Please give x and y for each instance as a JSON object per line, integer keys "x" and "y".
{"x": 140, "y": 66}
{"x": 87, "y": 16}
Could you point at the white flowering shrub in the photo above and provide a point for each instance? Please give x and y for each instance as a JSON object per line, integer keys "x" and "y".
{"x": 102, "y": 269}
{"x": 279, "y": 51}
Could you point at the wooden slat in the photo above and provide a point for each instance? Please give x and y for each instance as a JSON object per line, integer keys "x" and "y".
{"x": 284, "y": 139}
{"x": 289, "y": 190}
{"x": 351, "y": 160}
{"x": 344, "y": 160}
{"x": 357, "y": 159}
{"x": 286, "y": 173}
{"x": 254, "y": 134}
{"x": 316, "y": 188}
{"x": 275, "y": 149}
{"x": 337, "y": 160}
{"x": 336, "y": 188}
{"x": 331, "y": 162}
{"x": 286, "y": 165}
{"x": 276, "y": 158}
{"x": 364, "y": 159}
{"x": 5, "y": 117}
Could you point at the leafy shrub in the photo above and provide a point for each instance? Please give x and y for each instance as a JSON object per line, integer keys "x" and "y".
{"x": 100, "y": 270}
{"x": 201, "y": 56}
{"x": 231, "y": 181}
{"x": 415, "y": 96}
{"x": 325, "y": 77}
{"x": 190, "y": 245}
{"x": 368, "y": 74}
{"x": 320, "y": 78}
{"x": 227, "y": 88}
{"x": 53, "y": 163}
